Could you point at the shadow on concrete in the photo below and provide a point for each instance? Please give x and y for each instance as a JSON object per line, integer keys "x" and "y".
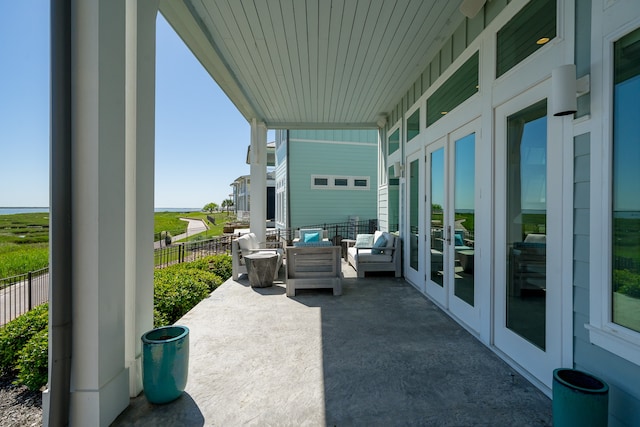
{"x": 390, "y": 358}
{"x": 183, "y": 411}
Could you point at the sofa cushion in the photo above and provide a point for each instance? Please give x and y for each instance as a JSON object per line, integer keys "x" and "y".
{"x": 365, "y": 255}
{"x": 246, "y": 243}
{"x": 381, "y": 242}
{"x": 311, "y": 237}
{"x": 391, "y": 239}
{"x": 364, "y": 240}
{"x": 305, "y": 231}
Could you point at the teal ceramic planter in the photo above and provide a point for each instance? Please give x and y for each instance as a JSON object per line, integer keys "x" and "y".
{"x": 165, "y": 363}
{"x": 579, "y": 399}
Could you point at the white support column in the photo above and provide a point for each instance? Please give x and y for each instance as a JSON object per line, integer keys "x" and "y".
{"x": 99, "y": 377}
{"x": 140, "y": 145}
{"x": 258, "y": 185}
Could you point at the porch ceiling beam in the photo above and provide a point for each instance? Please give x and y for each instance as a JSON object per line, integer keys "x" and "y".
{"x": 313, "y": 125}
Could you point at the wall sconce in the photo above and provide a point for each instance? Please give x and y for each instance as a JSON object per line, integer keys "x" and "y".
{"x": 382, "y": 120}
{"x": 564, "y": 90}
{"x": 470, "y": 8}
{"x": 397, "y": 169}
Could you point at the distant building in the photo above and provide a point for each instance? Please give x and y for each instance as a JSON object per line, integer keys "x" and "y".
{"x": 325, "y": 176}
{"x": 241, "y": 190}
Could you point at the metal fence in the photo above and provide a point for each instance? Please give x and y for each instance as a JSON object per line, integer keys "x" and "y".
{"x": 191, "y": 251}
{"x": 335, "y": 231}
{"x": 19, "y": 294}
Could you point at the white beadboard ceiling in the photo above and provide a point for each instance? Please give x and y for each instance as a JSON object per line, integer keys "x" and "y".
{"x": 314, "y": 63}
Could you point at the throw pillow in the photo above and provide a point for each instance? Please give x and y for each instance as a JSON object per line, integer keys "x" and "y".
{"x": 311, "y": 237}
{"x": 380, "y": 243}
{"x": 364, "y": 240}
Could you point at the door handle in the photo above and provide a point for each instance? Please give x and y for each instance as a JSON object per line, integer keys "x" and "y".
{"x": 449, "y": 234}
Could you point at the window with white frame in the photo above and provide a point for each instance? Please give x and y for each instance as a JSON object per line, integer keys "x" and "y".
{"x": 333, "y": 182}
{"x": 615, "y": 286}
{"x": 625, "y": 215}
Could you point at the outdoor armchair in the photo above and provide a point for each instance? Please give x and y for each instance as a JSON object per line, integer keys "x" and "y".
{"x": 248, "y": 244}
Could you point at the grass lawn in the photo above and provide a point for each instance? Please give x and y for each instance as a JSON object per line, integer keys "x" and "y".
{"x": 24, "y": 238}
{"x": 24, "y": 243}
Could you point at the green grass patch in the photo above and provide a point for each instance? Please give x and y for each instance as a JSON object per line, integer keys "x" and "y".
{"x": 24, "y": 229}
{"x": 169, "y": 221}
{"x": 24, "y": 238}
{"x": 20, "y": 259}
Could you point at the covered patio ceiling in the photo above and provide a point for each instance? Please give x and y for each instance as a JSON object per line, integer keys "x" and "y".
{"x": 314, "y": 63}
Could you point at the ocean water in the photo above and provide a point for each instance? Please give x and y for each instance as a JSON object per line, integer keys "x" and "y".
{"x": 10, "y": 211}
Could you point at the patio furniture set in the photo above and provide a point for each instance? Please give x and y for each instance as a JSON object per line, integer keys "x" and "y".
{"x": 313, "y": 262}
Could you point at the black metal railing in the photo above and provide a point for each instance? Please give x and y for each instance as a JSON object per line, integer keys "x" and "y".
{"x": 21, "y": 293}
{"x": 191, "y": 251}
{"x": 335, "y": 231}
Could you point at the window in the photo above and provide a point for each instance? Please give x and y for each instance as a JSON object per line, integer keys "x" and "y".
{"x": 413, "y": 125}
{"x": 532, "y": 28}
{"x": 625, "y": 216}
{"x": 327, "y": 182}
{"x": 614, "y": 317}
{"x": 457, "y": 89}
{"x": 394, "y": 142}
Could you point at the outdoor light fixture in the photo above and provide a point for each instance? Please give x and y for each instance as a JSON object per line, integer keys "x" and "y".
{"x": 564, "y": 90}
{"x": 543, "y": 40}
{"x": 397, "y": 169}
{"x": 470, "y": 8}
{"x": 382, "y": 120}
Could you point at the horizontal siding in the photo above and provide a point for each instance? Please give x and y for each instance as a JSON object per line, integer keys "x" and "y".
{"x": 316, "y": 206}
{"x": 621, "y": 375}
{"x": 345, "y": 135}
{"x": 383, "y": 206}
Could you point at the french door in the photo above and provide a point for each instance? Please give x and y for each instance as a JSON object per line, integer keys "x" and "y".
{"x": 528, "y": 242}
{"x": 414, "y": 243}
{"x": 450, "y": 223}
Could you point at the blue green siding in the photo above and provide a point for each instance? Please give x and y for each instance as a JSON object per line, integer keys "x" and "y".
{"x": 331, "y": 153}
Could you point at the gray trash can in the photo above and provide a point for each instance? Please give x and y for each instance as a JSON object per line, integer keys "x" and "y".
{"x": 579, "y": 399}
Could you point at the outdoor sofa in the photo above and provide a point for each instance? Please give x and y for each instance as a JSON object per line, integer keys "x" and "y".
{"x": 380, "y": 251}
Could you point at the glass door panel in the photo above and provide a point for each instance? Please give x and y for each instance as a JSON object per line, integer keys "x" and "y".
{"x": 464, "y": 218}
{"x": 530, "y": 236}
{"x": 450, "y": 207}
{"x": 394, "y": 201}
{"x": 437, "y": 215}
{"x": 526, "y": 211}
{"x": 414, "y": 214}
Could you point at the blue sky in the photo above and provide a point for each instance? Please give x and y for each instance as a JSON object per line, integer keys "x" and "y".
{"x": 201, "y": 138}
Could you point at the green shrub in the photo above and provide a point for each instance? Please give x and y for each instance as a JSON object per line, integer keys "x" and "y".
{"x": 15, "y": 334}
{"x": 218, "y": 264}
{"x": 175, "y": 293}
{"x": 33, "y": 361}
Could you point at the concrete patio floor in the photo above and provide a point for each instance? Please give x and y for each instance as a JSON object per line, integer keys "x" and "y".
{"x": 379, "y": 355}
